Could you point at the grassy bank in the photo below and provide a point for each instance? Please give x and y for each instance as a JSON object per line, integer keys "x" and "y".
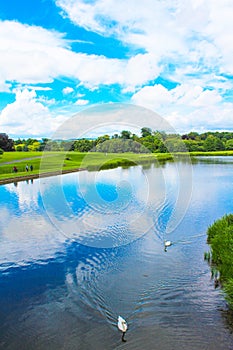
{"x": 55, "y": 162}
{"x": 220, "y": 238}
{"x": 212, "y": 153}
{"x": 60, "y": 162}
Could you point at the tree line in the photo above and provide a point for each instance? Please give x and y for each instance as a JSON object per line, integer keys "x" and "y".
{"x": 125, "y": 141}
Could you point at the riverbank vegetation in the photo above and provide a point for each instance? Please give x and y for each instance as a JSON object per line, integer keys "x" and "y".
{"x": 220, "y": 238}
{"x": 148, "y": 141}
{"x": 48, "y": 162}
{"x": 123, "y": 149}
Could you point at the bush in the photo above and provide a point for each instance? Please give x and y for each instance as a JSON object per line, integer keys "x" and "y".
{"x": 1, "y": 151}
{"x": 220, "y": 237}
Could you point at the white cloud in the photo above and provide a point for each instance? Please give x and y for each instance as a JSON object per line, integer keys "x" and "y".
{"x": 81, "y": 102}
{"x": 28, "y": 116}
{"x": 68, "y": 90}
{"x": 27, "y": 53}
{"x": 32, "y": 87}
{"x": 181, "y": 31}
{"x": 32, "y": 55}
{"x": 153, "y": 97}
{"x": 4, "y": 87}
{"x": 187, "y": 106}
{"x": 157, "y": 96}
{"x": 202, "y": 119}
{"x": 79, "y": 95}
{"x": 186, "y": 41}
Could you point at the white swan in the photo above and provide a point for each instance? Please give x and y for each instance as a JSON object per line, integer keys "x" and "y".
{"x": 122, "y": 326}
{"x": 167, "y": 244}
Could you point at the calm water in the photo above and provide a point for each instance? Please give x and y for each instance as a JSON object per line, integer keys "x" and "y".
{"x": 78, "y": 250}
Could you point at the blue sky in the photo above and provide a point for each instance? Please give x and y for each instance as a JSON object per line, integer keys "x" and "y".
{"x": 58, "y": 57}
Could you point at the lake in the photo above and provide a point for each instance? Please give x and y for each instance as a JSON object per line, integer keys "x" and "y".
{"x": 78, "y": 250}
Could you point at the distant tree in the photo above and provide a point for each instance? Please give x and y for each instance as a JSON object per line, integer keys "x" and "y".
{"x": 19, "y": 147}
{"x": 103, "y": 138}
{"x": 84, "y": 145}
{"x": 209, "y": 143}
{"x": 125, "y": 134}
{"x": 30, "y": 141}
{"x": 219, "y": 145}
{"x": 53, "y": 146}
{"x": 146, "y": 132}
{"x": 43, "y": 143}
{"x": 193, "y": 136}
{"x": 6, "y": 143}
{"x": 115, "y": 136}
{"x": 18, "y": 142}
{"x": 135, "y": 137}
{"x": 152, "y": 143}
{"x": 67, "y": 145}
{"x": 35, "y": 146}
{"x": 194, "y": 146}
{"x": 229, "y": 144}
{"x": 120, "y": 146}
{"x": 175, "y": 144}
{"x": 213, "y": 143}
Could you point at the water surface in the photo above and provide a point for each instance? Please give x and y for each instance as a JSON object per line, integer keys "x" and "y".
{"x": 78, "y": 250}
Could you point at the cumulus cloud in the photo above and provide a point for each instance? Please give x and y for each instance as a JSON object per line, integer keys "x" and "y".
{"x": 217, "y": 117}
{"x": 187, "y": 106}
{"x": 32, "y": 55}
{"x": 157, "y": 96}
{"x": 27, "y": 116}
{"x": 201, "y": 29}
{"x": 81, "y": 102}
{"x": 27, "y": 53}
{"x": 188, "y": 42}
{"x": 67, "y": 90}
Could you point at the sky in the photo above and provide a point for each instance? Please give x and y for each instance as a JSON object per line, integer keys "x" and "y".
{"x": 60, "y": 57}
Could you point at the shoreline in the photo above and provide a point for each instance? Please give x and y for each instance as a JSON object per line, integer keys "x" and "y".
{"x": 107, "y": 164}
{"x": 37, "y": 176}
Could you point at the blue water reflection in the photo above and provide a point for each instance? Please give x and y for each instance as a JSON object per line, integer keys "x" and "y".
{"x": 79, "y": 249}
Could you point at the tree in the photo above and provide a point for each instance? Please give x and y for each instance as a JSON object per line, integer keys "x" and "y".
{"x": 115, "y": 136}
{"x": 219, "y": 145}
{"x": 52, "y": 146}
{"x": 35, "y": 146}
{"x": 175, "y": 144}
{"x": 213, "y": 143}
{"x": 43, "y": 143}
{"x": 229, "y": 144}
{"x": 103, "y": 138}
{"x": 6, "y": 144}
{"x": 193, "y": 136}
{"x": 146, "y": 132}
{"x": 125, "y": 134}
{"x": 194, "y": 146}
{"x": 84, "y": 145}
{"x": 19, "y": 147}
{"x": 151, "y": 142}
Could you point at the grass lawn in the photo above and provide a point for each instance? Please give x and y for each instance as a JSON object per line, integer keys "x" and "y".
{"x": 212, "y": 153}
{"x": 11, "y": 156}
{"x": 44, "y": 162}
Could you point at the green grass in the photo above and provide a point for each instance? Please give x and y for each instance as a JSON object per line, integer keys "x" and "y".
{"x": 220, "y": 238}
{"x": 212, "y": 153}
{"x": 56, "y": 161}
{"x": 11, "y": 156}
